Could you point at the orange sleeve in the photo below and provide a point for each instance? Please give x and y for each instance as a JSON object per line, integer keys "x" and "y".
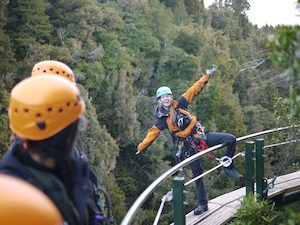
{"x": 196, "y": 88}
{"x": 152, "y": 134}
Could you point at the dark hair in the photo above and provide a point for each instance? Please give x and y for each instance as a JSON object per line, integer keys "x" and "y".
{"x": 58, "y": 146}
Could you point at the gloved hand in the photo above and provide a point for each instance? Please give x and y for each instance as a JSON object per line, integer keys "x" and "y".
{"x": 212, "y": 70}
{"x": 138, "y": 152}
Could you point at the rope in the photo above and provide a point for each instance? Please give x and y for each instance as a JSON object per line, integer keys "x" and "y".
{"x": 212, "y": 169}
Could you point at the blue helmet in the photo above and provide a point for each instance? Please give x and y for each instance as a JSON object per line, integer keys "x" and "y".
{"x": 164, "y": 90}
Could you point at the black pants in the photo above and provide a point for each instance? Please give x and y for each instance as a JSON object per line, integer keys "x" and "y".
{"x": 201, "y": 193}
{"x": 212, "y": 140}
{"x": 197, "y": 170}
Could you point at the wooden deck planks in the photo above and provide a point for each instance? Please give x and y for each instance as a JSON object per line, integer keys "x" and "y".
{"x": 223, "y": 208}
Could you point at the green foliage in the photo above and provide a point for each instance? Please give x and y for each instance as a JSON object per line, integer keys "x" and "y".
{"x": 194, "y": 7}
{"x": 175, "y": 68}
{"x": 289, "y": 163}
{"x": 5, "y": 132}
{"x": 116, "y": 57}
{"x": 28, "y": 24}
{"x": 220, "y": 109}
{"x": 169, "y": 3}
{"x": 90, "y": 75}
{"x": 138, "y": 36}
{"x": 116, "y": 194}
{"x": 285, "y": 55}
{"x": 254, "y": 212}
{"x": 293, "y": 217}
{"x": 239, "y": 7}
{"x": 39, "y": 52}
{"x": 190, "y": 42}
{"x": 117, "y": 102}
{"x": 258, "y": 118}
{"x": 282, "y": 112}
{"x": 7, "y": 59}
{"x": 65, "y": 14}
{"x": 101, "y": 149}
{"x": 145, "y": 111}
{"x": 221, "y": 18}
{"x": 134, "y": 6}
{"x": 160, "y": 20}
{"x": 181, "y": 15}
{"x": 144, "y": 217}
{"x": 121, "y": 51}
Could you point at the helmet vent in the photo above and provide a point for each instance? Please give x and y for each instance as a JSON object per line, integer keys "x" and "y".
{"x": 44, "y": 71}
{"x": 49, "y": 109}
{"x": 16, "y": 110}
{"x": 38, "y": 115}
{"x": 26, "y": 110}
{"x": 51, "y": 69}
{"x": 76, "y": 104}
{"x": 57, "y": 72}
{"x": 68, "y": 103}
{"x": 41, "y": 125}
{"x": 60, "y": 110}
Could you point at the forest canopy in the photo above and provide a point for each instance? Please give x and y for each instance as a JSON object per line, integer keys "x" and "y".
{"x": 121, "y": 51}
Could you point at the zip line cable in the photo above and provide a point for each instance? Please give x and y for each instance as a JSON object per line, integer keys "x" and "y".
{"x": 255, "y": 66}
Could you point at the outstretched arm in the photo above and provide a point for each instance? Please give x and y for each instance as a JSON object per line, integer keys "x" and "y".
{"x": 196, "y": 88}
{"x": 152, "y": 134}
{"x": 199, "y": 85}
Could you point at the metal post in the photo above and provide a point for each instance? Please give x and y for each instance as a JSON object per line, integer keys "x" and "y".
{"x": 178, "y": 201}
{"x": 249, "y": 168}
{"x": 260, "y": 186}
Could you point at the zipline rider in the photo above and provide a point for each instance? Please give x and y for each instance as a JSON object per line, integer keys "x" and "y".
{"x": 185, "y": 130}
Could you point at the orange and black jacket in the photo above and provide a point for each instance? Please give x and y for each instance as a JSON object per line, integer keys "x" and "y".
{"x": 163, "y": 119}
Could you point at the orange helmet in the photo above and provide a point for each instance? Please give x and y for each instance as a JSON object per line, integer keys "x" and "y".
{"x": 22, "y": 203}
{"x": 53, "y": 67}
{"x": 42, "y": 106}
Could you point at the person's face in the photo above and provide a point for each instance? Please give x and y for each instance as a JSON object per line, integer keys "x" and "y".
{"x": 166, "y": 100}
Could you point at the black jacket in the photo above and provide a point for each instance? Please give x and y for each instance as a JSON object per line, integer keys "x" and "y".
{"x": 71, "y": 200}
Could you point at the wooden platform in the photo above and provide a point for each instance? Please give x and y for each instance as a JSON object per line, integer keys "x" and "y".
{"x": 223, "y": 208}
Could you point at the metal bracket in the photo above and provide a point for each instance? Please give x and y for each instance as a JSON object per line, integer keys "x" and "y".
{"x": 225, "y": 160}
{"x": 243, "y": 154}
{"x": 269, "y": 185}
{"x": 169, "y": 196}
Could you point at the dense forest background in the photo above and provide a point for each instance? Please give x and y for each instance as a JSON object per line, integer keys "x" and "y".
{"x": 121, "y": 51}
